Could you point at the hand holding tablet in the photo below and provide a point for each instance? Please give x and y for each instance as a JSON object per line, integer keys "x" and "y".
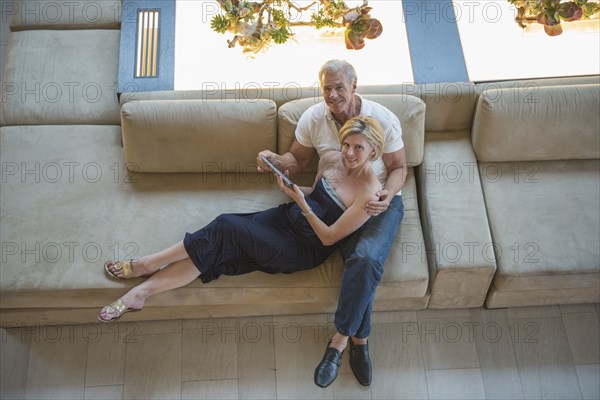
{"x": 287, "y": 181}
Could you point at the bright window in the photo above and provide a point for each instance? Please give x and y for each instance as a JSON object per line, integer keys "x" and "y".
{"x": 496, "y": 48}
{"x": 204, "y": 61}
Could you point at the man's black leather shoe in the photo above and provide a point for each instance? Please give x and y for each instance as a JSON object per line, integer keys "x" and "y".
{"x": 327, "y": 370}
{"x": 360, "y": 362}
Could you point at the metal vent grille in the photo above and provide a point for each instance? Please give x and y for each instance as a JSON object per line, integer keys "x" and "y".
{"x": 146, "y": 60}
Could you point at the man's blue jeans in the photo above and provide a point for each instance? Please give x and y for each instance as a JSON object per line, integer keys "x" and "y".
{"x": 364, "y": 254}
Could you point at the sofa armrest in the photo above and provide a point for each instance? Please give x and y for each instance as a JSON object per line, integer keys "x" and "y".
{"x": 457, "y": 235}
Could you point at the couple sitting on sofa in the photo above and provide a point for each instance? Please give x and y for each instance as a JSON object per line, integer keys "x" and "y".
{"x": 347, "y": 207}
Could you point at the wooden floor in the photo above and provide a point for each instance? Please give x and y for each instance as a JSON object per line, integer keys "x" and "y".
{"x": 532, "y": 353}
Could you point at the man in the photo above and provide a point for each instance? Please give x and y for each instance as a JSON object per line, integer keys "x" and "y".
{"x": 367, "y": 249}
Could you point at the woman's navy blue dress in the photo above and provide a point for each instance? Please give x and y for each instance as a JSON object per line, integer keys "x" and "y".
{"x": 277, "y": 240}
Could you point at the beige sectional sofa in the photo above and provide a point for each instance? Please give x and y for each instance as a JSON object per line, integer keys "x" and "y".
{"x": 88, "y": 177}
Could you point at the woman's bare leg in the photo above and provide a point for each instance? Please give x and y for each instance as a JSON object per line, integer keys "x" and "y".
{"x": 148, "y": 265}
{"x": 175, "y": 275}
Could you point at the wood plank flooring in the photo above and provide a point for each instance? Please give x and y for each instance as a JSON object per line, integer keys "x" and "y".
{"x": 522, "y": 353}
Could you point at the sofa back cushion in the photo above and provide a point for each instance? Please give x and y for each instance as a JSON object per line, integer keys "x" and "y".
{"x": 197, "y": 135}
{"x": 543, "y": 123}
{"x": 410, "y": 110}
{"x": 450, "y": 106}
{"x": 57, "y": 77}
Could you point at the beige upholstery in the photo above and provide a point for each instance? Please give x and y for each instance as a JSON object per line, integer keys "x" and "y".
{"x": 209, "y": 136}
{"x": 58, "y": 266}
{"x": 457, "y": 236}
{"x": 410, "y": 111}
{"x": 280, "y": 94}
{"x": 544, "y": 218}
{"x": 42, "y": 86}
{"x": 451, "y": 107}
{"x": 543, "y": 196}
{"x": 311, "y": 303}
{"x": 63, "y": 14}
{"x": 68, "y": 200}
{"x": 544, "y": 124}
{"x": 532, "y": 85}
{"x": 542, "y": 297}
{"x": 406, "y": 268}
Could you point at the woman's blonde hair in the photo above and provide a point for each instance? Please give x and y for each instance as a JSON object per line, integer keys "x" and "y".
{"x": 369, "y": 128}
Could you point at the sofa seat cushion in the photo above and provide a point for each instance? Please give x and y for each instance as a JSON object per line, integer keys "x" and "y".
{"x": 544, "y": 219}
{"x": 410, "y": 110}
{"x": 63, "y": 14}
{"x": 68, "y": 204}
{"x": 209, "y": 136}
{"x": 61, "y": 77}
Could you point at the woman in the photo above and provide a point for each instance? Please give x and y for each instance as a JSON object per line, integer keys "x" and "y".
{"x": 235, "y": 244}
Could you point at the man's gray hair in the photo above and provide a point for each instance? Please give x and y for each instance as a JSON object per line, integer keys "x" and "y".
{"x": 336, "y": 66}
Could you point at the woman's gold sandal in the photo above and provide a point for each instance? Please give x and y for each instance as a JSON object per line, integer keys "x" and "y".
{"x": 124, "y": 266}
{"x": 117, "y": 307}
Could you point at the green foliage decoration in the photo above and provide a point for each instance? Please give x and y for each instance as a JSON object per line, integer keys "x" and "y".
{"x": 550, "y": 13}
{"x": 256, "y": 25}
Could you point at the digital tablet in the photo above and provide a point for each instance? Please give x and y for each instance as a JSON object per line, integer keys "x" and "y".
{"x": 287, "y": 181}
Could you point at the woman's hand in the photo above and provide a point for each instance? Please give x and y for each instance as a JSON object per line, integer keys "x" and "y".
{"x": 294, "y": 192}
